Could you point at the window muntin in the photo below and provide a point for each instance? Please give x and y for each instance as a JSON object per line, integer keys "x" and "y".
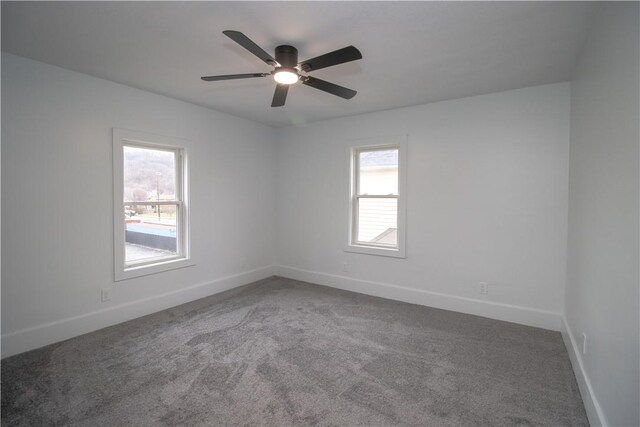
{"x": 377, "y": 196}
{"x": 150, "y": 204}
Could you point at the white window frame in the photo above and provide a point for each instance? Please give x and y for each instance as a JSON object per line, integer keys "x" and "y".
{"x": 370, "y": 144}
{"x": 122, "y": 138}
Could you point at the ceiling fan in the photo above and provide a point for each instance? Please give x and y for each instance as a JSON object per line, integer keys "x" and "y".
{"x": 288, "y": 70}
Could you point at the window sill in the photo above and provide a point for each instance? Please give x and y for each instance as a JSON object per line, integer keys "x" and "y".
{"x": 379, "y": 251}
{"x": 147, "y": 269}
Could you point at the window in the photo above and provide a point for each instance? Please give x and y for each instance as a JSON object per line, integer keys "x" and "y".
{"x": 150, "y": 207}
{"x": 376, "y": 197}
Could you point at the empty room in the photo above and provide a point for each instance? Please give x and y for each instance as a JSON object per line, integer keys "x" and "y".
{"x": 320, "y": 213}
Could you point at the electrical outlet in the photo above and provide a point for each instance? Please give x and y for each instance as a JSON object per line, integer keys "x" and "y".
{"x": 106, "y": 294}
{"x": 345, "y": 267}
{"x": 584, "y": 343}
{"x": 483, "y": 288}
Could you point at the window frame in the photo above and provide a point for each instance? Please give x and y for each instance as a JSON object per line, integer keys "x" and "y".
{"x": 121, "y": 139}
{"x": 376, "y": 144}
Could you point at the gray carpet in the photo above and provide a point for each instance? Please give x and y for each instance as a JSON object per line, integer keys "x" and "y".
{"x": 282, "y": 352}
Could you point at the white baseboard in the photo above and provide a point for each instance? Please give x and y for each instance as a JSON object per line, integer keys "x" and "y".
{"x": 591, "y": 405}
{"x": 60, "y": 330}
{"x": 510, "y": 313}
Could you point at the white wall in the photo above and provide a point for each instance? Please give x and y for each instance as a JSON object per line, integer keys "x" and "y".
{"x": 57, "y": 227}
{"x": 487, "y": 183}
{"x": 487, "y": 201}
{"x": 602, "y": 282}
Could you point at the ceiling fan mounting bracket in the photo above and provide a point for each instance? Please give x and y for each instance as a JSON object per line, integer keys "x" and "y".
{"x": 287, "y": 56}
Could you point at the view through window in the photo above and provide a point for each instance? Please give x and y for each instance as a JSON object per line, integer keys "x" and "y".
{"x": 375, "y": 220}
{"x": 152, "y": 204}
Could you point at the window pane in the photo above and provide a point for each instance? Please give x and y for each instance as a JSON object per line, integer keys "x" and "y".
{"x": 378, "y": 221}
{"x": 378, "y": 172}
{"x": 149, "y": 174}
{"x": 150, "y": 232}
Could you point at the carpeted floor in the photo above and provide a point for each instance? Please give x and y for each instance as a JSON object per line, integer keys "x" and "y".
{"x": 281, "y": 352}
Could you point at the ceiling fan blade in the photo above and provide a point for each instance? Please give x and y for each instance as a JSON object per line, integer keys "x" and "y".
{"x": 280, "y": 95}
{"x": 336, "y": 57}
{"x": 233, "y": 77}
{"x": 246, "y": 43}
{"x": 331, "y": 88}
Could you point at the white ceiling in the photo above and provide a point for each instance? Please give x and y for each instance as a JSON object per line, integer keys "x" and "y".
{"x": 413, "y": 52}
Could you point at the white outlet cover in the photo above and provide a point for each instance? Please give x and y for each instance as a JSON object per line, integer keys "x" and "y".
{"x": 483, "y": 288}
{"x": 106, "y": 294}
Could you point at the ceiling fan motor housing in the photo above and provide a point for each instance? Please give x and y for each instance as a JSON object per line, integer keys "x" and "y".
{"x": 287, "y": 56}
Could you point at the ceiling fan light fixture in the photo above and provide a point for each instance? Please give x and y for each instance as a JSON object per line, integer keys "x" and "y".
{"x": 286, "y": 76}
